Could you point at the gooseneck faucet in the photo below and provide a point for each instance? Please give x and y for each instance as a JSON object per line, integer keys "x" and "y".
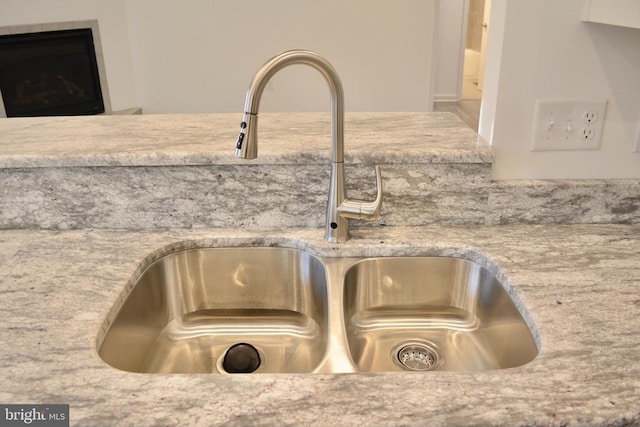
{"x": 339, "y": 208}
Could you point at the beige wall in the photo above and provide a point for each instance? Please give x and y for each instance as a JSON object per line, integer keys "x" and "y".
{"x": 199, "y": 56}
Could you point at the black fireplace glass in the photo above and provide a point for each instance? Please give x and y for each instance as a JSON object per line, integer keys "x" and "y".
{"x": 51, "y": 73}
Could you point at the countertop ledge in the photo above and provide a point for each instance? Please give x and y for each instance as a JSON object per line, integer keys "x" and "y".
{"x": 579, "y": 283}
{"x": 208, "y": 139}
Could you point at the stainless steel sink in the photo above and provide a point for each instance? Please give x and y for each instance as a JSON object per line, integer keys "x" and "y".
{"x": 427, "y": 313}
{"x": 268, "y": 310}
{"x": 188, "y": 309}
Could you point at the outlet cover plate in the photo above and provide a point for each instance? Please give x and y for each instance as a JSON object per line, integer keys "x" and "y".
{"x": 568, "y": 124}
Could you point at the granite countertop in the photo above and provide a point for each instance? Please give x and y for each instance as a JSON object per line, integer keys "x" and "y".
{"x": 579, "y": 283}
{"x": 205, "y": 139}
{"x": 78, "y": 180}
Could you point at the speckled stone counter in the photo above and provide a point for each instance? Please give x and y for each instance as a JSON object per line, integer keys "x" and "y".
{"x": 205, "y": 139}
{"x": 180, "y": 170}
{"x": 164, "y": 171}
{"x": 580, "y": 285}
{"x": 84, "y": 201}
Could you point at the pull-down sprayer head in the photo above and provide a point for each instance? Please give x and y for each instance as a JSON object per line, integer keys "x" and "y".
{"x": 247, "y": 144}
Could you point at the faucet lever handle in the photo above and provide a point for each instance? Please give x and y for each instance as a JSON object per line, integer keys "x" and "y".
{"x": 367, "y": 211}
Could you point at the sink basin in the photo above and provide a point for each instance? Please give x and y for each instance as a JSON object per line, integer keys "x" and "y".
{"x": 189, "y": 308}
{"x": 427, "y": 313}
{"x": 281, "y": 310}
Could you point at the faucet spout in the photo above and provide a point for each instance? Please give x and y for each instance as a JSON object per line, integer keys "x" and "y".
{"x": 339, "y": 209}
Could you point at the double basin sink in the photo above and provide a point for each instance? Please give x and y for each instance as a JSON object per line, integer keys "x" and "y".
{"x": 282, "y": 310}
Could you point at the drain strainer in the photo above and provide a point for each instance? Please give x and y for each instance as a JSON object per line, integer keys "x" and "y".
{"x": 418, "y": 357}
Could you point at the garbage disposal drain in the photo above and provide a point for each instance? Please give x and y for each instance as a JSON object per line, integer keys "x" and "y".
{"x": 241, "y": 358}
{"x": 418, "y": 357}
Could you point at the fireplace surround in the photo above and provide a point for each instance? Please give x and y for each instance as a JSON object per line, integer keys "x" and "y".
{"x": 52, "y": 69}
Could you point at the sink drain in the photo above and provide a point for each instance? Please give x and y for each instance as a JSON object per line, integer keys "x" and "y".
{"x": 418, "y": 357}
{"x": 241, "y": 358}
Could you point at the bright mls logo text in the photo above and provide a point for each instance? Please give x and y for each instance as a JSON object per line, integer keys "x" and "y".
{"x": 36, "y": 415}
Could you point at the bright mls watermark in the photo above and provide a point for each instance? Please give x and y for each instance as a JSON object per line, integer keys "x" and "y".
{"x": 34, "y": 415}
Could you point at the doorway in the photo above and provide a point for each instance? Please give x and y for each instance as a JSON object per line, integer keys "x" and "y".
{"x": 473, "y": 69}
{"x": 473, "y": 46}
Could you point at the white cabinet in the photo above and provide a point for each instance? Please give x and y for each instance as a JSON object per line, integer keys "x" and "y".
{"x": 624, "y": 13}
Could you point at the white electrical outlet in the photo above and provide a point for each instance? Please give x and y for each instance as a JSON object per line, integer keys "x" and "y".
{"x": 568, "y": 124}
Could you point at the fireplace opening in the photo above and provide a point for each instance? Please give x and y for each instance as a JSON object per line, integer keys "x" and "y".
{"x": 51, "y": 73}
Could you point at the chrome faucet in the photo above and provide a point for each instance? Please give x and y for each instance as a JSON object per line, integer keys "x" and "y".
{"x": 339, "y": 208}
